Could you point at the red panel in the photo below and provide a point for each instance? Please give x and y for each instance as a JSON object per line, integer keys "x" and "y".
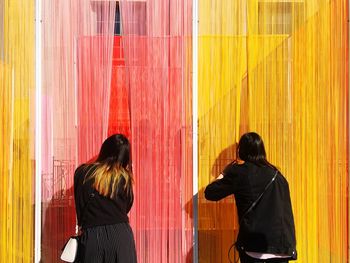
{"x": 119, "y": 114}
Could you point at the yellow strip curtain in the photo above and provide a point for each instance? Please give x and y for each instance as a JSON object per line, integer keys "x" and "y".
{"x": 16, "y": 125}
{"x": 278, "y": 68}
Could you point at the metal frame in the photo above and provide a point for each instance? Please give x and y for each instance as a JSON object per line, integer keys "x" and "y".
{"x": 38, "y": 110}
{"x": 195, "y": 22}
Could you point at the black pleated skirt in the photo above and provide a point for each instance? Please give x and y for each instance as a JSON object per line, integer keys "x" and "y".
{"x": 108, "y": 244}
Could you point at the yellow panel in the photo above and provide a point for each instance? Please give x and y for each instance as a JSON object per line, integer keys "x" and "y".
{"x": 278, "y": 68}
{"x": 17, "y": 141}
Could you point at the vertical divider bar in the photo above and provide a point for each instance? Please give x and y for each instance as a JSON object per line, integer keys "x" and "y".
{"x": 195, "y": 21}
{"x": 37, "y": 138}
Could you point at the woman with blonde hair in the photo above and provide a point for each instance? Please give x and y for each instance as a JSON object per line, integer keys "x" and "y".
{"x": 103, "y": 197}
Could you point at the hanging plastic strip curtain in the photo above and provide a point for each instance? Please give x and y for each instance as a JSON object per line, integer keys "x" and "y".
{"x": 119, "y": 111}
{"x": 77, "y": 66}
{"x": 17, "y": 124}
{"x": 278, "y": 68}
{"x": 156, "y": 46}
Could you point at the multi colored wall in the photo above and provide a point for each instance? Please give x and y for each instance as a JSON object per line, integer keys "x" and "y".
{"x": 279, "y": 68}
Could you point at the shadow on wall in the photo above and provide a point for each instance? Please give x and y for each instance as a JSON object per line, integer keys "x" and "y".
{"x": 217, "y": 221}
{"x": 225, "y": 157}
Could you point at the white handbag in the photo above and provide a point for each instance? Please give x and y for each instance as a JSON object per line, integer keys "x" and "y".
{"x": 70, "y": 250}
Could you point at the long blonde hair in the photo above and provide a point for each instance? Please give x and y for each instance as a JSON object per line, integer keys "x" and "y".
{"x": 113, "y": 165}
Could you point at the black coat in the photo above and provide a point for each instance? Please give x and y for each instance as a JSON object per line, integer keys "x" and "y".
{"x": 101, "y": 210}
{"x": 269, "y": 227}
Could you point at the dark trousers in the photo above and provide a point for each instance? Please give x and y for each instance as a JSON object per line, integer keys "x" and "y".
{"x": 108, "y": 244}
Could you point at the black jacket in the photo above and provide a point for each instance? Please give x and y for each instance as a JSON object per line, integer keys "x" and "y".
{"x": 101, "y": 210}
{"x": 269, "y": 227}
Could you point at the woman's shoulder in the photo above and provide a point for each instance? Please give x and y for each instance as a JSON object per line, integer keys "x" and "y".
{"x": 80, "y": 168}
{"x": 83, "y": 170}
{"x": 282, "y": 178}
{"x": 275, "y": 171}
{"x": 234, "y": 167}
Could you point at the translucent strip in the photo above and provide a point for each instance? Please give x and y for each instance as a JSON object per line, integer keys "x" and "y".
{"x": 77, "y": 67}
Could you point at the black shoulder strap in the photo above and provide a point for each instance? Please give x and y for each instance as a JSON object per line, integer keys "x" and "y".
{"x": 259, "y": 197}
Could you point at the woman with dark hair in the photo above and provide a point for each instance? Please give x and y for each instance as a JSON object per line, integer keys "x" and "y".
{"x": 103, "y": 197}
{"x": 264, "y": 208}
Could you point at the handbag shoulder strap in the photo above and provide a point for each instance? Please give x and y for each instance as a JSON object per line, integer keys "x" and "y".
{"x": 259, "y": 197}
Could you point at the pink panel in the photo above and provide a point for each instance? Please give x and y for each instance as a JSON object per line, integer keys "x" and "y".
{"x": 77, "y": 64}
